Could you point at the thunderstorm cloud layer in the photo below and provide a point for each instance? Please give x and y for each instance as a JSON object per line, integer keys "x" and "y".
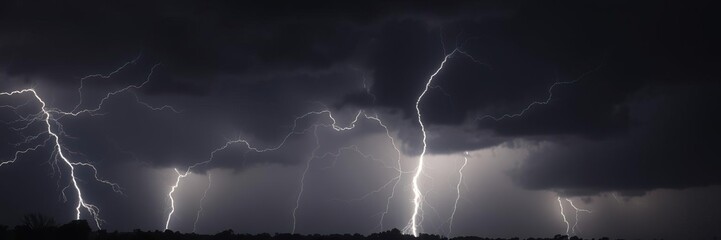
{"x": 614, "y": 105}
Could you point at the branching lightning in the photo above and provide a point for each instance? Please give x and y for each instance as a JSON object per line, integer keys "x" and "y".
{"x": 570, "y": 229}
{"x": 578, "y": 210}
{"x": 55, "y": 130}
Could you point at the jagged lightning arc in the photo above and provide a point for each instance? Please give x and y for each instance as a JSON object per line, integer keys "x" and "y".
{"x": 458, "y": 192}
{"x": 47, "y": 116}
{"x": 314, "y": 154}
{"x": 544, "y": 102}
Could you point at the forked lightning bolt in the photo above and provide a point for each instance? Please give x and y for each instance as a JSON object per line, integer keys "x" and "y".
{"x": 578, "y": 210}
{"x": 570, "y": 229}
{"x": 54, "y": 129}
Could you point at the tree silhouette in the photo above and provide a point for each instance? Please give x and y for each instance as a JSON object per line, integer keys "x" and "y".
{"x": 38, "y": 221}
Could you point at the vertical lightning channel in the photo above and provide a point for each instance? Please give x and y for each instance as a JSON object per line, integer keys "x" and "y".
{"x": 458, "y": 193}
{"x": 417, "y": 195}
{"x": 200, "y": 208}
{"x": 568, "y": 225}
{"x": 170, "y": 195}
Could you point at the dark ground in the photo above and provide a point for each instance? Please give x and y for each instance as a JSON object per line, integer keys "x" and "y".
{"x": 38, "y": 227}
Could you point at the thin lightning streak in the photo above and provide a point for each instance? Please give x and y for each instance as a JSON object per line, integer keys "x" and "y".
{"x": 200, "y": 209}
{"x": 535, "y": 103}
{"x": 568, "y": 225}
{"x": 115, "y": 186}
{"x": 458, "y": 193}
{"x": 170, "y": 195}
{"x": 97, "y": 108}
{"x": 104, "y": 76}
{"x": 302, "y": 179}
{"x": 400, "y": 169}
{"x": 18, "y": 153}
{"x": 573, "y": 229}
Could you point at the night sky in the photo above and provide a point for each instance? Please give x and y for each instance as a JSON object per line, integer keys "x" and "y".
{"x": 611, "y": 105}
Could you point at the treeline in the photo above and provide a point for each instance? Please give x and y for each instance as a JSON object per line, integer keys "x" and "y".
{"x": 37, "y": 227}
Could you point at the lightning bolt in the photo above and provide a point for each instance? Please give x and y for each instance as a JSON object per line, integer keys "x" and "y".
{"x": 568, "y": 225}
{"x": 200, "y": 209}
{"x": 302, "y": 178}
{"x": 578, "y": 210}
{"x": 417, "y": 195}
{"x": 458, "y": 192}
{"x": 543, "y": 102}
{"x": 46, "y": 115}
{"x": 170, "y": 195}
{"x": 92, "y": 209}
{"x": 104, "y": 76}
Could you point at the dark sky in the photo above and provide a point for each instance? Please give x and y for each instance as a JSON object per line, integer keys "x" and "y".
{"x": 625, "y": 120}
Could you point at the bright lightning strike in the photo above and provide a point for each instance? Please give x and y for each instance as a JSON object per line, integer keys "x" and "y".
{"x": 415, "y": 220}
{"x": 54, "y": 130}
{"x": 170, "y": 195}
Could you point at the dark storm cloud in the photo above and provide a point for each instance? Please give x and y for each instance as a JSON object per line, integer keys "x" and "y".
{"x": 671, "y": 144}
{"x": 618, "y": 49}
{"x": 238, "y": 69}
